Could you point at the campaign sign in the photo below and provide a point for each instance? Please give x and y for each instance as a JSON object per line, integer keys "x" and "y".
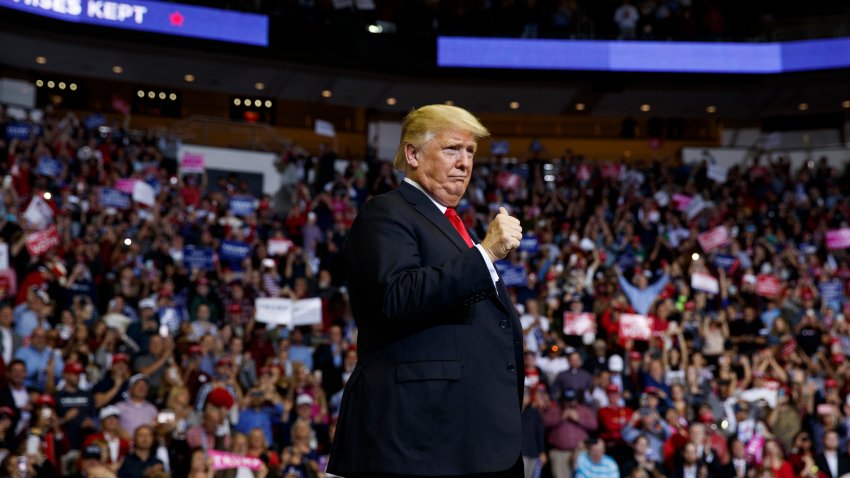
{"x": 49, "y": 167}
{"x": 727, "y": 262}
{"x": 18, "y": 131}
{"x": 579, "y": 323}
{"x": 114, "y": 198}
{"x": 681, "y": 201}
{"x": 94, "y": 121}
{"x": 222, "y": 460}
{"x": 512, "y": 274}
{"x": 192, "y": 163}
{"x": 717, "y": 173}
{"x": 38, "y": 213}
{"x": 144, "y": 193}
{"x": 200, "y": 258}
{"x": 234, "y": 250}
{"x": 499, "y": 148}
{"x": 279, "y": 247}
{"x": 635, "y": 327}
{"x": 530, "y": 244}
{"x": 242, "y": 205}
{"x": 768, "y": 286}
{"x": 273, "y": 310}
{"x": 838, "y": 238}
{"x": 40, "y": 242}
{"x": 611, "y": 171}
{"x": 126, "y": 186}
{"x": 705, "y": 283}
{"x": 509, "y": 181}
{"x": 832, "y": 293}
{"x": 714, "y": 239}
{"x": 307, "y": 312}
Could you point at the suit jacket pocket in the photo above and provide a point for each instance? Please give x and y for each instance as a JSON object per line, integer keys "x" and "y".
{"x": 428, "y": 370}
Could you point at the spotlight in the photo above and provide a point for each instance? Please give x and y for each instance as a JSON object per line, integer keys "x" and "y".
{"x": 711, "y": 109}
{"x": 391, "y": 101}
{"x": 117, "y": 69}
{"x": 39, "y": 83}
{"x": 172, "y": 96}
{"x": 514, "y": 105}
{"x": 151, "y": 94}
{"x": 61, "y": 85}
{"x": 695, "y": 256}
{"x": 257, "y": 103}
{"x": 326, "y": 93}
{"x": 73, "y": 87}
{"x": 140, "y": 94}
{"x": 237, "y": 101}
{"x": 803, "y": 106}
{"x": 51, "y": 84}
{"x": 645, "y": 107}
{"x": 41, "y": 60}
{"x": 188, "y": 77}
{"x": 161, "y": 95}
{"x": 47, "y": 195}
{"x": 268, "y": 103}
{"x": 580, "y": 106}
{"x": 260, "y": 86}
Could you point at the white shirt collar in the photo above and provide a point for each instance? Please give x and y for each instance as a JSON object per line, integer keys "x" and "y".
{"x": 419, "y": 187}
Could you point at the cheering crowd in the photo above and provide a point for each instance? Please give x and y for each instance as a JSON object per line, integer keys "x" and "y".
{"x": 716, "y": 344}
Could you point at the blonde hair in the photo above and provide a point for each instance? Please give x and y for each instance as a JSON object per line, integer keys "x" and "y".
{"x": 420, "y": 125}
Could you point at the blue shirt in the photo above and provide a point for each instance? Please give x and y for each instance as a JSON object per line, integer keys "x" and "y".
{"x": 303, "y": 354}
{"x": 263, "y": 418}
{"x": 586, "y": 468}
{"x": 36, "y": 363}
{"x": 642, "y": 299}
{"x": 26, "y": 320}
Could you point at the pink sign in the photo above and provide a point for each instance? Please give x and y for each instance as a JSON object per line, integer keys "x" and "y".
{"x": 838, "y": 238}
{"x": 125, "y": 185}
{"x": 192, "y": 163}
{"x": 714, "y": 239}
{"x": 40, "y": 242}
{"x": 579, "y": 323}
{"x": 681, "y": 201}
{"x": 611, "y": 171}
{"x": 222, "y": 460}
{"x": 635, "y": 327}
{"x": 768, "y": 286}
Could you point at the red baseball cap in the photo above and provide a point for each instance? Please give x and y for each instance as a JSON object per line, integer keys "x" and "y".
{"x": 634, "y": 355}
{"x": 74, "y": 367}
{"x": 120, "y": 357}
{"x": 45, "y": 399}
{"x": 224, "y": 360}
{"x": 612, "y": 388}
{"x": 7, "y": 411}
{"x": 220, "y": 397}
{"x": 830, "y": 383}
{"x": 706, "y": 417}
{"x": 195, "y": 349}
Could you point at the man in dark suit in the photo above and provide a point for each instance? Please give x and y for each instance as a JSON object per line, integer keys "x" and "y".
{"x": 831, "y": 461}
{"x": 438, "y": 388}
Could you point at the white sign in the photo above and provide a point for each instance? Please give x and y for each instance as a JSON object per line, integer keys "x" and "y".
{"x": 39, "y": 213}
{"x": 143, "y": 193}
{"x": 717, "y": 173}
{"x": 705, "y": 283}
{"x": 307, "y": 312}
{"x": 695, "y": 207}
{"x": 325, "y": 128}
{"x": 4, "y": 255}
{"x": 279, "y": 247}
{"x": 274, "y": 311}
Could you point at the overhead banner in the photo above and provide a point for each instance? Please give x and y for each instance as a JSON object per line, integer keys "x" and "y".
{"x": 156, "y": 17}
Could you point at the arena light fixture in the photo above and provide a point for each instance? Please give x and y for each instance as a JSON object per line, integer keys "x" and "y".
{"x": 117, "y": 69}
{"x": 695, "y": 256}
{"x": 450, "y": 102}
{"x": 162, "y": 95}
{"x": 258, "y": 103}
{"x": 845, "y": 104}
{"x": 41, "y": 60}
{"x": 268, "y": 103}
{"x": 172, "y": 96}
{"x": 376, "y": 28}
{"x": 237, "y": 101}
{"x": 327, "y": 93}
{"x": 514, "y": 105}
{"x": 391, "y": 101}
{"x": 259, "y": 86}
{"x": 140, "y": 94}
{"x": 188, "y": 77}
{"x": 128, "y": 242}
{"x": 151, "y": 94}
{"x": 711, "y": 109}
{"x": 51, "y": 84}
{"x": 247, "y": 102}
{"x": 73, "y": 87}
{"x": 580, "y": 106}
{"x": 61, "y": 85}
{"x": 645, "y": 107}
{"x": 39, "y": 83}
{"x": 803, "y": 106}
{"x": 47, "y": 195}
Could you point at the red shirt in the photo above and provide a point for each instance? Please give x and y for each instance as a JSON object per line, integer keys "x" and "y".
{"x": 612, "y": 419}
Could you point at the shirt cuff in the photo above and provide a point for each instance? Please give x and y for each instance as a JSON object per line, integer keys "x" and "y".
{"x": 494, "y": 276}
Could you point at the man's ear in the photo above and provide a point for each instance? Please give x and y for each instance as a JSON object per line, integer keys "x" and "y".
{"x": 411, "y": 155}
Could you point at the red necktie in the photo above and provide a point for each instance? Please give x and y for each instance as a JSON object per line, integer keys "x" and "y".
{"x": 458, "y": 225}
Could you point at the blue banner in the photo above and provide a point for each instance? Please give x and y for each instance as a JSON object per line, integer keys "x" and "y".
{"x": 726, "y": 262}
{"x": 234, "y": 250}
{"x": 114, "y": 198}
{"x": 18, "y": 131}
{"x": 513, "y": 275}
{"x": 49, "y": 167}
{"x": 242, "y": 205}
{"x": 499, "y": 147}
{"x": 200, "y": 258}
{"x": 94, "y": 121}
{"x": 157, "y": 17}
{"x": 530, "y": 244}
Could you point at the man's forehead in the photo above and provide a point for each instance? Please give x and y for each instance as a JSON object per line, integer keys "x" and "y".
{"x": 454, "y": 135}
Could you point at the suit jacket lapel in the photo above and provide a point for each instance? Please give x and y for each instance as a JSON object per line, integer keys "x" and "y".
{"x": 423, "y": 205}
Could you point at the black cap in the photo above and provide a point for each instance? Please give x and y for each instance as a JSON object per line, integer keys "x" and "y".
{"x": 92, "y": 451}
{"x": 570, "y": 394}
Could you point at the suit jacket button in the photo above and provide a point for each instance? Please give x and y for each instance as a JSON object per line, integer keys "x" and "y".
{"x": 511, "y": 367}
{"x": 503, "y": 323}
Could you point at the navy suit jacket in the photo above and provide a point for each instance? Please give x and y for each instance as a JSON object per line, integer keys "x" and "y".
{"x": 438, "y": 387}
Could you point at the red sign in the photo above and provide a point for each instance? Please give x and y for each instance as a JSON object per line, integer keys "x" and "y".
{"x": 714, "y": 239}
{"x": 40, "y": 242}
{"x": 635, "y": 327}
{"x": 506, "y": 180}
{"x": 768, "y": 286}
{"x": 579, "y": 323}
{"x": 611, "y": 171}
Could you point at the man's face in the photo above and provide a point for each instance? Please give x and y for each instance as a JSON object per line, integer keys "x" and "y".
{"x": 6, "y": 316}
{"x": 17, "y": 373}
{"x": 143, "y": 439}
{"x": 443, "y": 165}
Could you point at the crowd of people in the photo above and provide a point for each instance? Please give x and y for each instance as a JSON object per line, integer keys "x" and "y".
{"x": 124, "y": 356}
{"x": 682, "y": 20}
